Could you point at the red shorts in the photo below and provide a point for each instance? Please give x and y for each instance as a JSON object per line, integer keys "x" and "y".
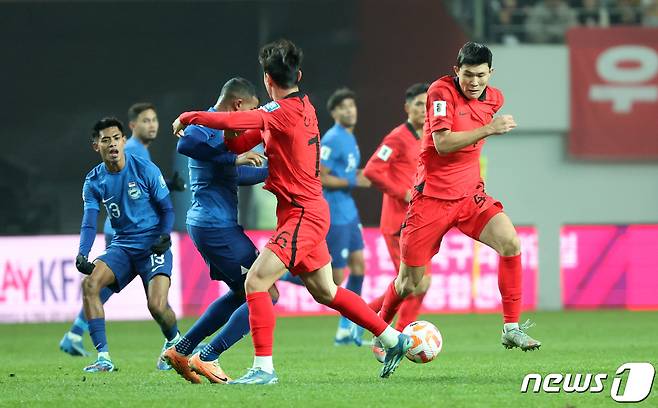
{"x": 429, "y": 218}
{"x": 299, "y": 239}
{"x": 393, "y": 245}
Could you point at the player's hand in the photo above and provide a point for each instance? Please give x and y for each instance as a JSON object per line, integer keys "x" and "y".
{"x": 407, "y": 197}
{"x": 250, "y": 159}
{"x": 176, "y": 183}
{"x": 161, "y": 245}
{"x": 83, "y": 265}
{"x": 361, "y": 180}
{"x": 178, "y": 127}
{"x": 502, "y": 124}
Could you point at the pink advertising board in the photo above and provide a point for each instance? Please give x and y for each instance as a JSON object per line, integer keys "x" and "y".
{"x": 453, "y": 276}
{"x": 39, "y": 282}
{"x": 609, "y": 266}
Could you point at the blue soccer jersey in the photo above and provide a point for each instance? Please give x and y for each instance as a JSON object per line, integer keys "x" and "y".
{"x": 136, "y": 148}
{"x": 341, "y": 155}
{"x": 130, "y": 198}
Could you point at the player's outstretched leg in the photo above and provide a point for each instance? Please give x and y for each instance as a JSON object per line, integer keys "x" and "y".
{"x": 500, "y": 234}
{"x": 71, "y": 343}
{"x": 101, "y": 277}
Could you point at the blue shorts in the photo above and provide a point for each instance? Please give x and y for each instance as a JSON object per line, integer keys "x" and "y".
{"x": 342, "y": 240}
{"x": 228, "y": 252}
{"x": 128, "y": 263}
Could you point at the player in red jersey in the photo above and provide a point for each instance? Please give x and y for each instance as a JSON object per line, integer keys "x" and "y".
{"x": 391, "y": 169}
{"x": 449, "y": 191}
{"x": 289, "y": 129}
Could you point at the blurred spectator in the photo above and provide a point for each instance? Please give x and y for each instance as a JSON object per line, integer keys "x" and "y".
{"x": 508, "y": 20}
{"x": 650, "y": 17}
{"x": 548, "y": 20}
{"x": 591, "y": 13}
{"x": 626, "y": 12}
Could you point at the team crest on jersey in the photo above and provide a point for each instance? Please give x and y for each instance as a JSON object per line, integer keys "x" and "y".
{"x": 133, "y": 190}
{"x": 270, "y": 107}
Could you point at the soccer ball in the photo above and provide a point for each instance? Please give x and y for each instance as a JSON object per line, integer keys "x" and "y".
{"x": 427, "y": 341}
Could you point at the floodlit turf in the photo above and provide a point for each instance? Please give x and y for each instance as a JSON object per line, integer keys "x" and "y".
{"x": 472, "y": 370}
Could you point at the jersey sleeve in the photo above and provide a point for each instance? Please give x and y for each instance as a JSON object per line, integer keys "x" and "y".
{"x": 157, "y": 184}
{"x": 240, "y": 120}
{"x": 90, "y": 196}
{"x": 382, "y": 163}
{"x": 330, "y": 152}
{"x": 278, "y": 117}
{"x": 244, "y": 142}
{"x": 440, "y": 109}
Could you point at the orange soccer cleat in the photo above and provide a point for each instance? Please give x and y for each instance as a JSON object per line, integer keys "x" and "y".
{"x": 180, "y": 363}
{"x": 209, "y": 369}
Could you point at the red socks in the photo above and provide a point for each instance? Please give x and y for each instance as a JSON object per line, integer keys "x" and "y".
{"x": 509, "y": 283}
{"x": 350, "y": 305}
{"x": 262, "y": 322}
{"x": 409, "y": 311}
{"x": 376, "y": 304}
{"x": 391, "y": 304}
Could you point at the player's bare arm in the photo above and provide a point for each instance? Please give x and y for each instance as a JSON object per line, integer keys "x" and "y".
{"x": 446, "y": 141}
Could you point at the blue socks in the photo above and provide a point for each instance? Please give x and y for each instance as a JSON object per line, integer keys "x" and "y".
{"x": 98, "y": 336}
{"x": 215, "y": 316}
{"x": 355, "y": 284}
{"x": 235, "y": 329}
{"x": 170, "y": 332}
{"x": 80, "y": 325}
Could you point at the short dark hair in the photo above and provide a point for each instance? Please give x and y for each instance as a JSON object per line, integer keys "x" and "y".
{"x": 281, "y": 59}
{"x": 103, "y": 124}
{"x": 339, "y": 96}
{"x": 415, "y": 90}
{"x": 473, "y": 53}
{"x": 236, "y": 88}
{"x": 139, "y": 107}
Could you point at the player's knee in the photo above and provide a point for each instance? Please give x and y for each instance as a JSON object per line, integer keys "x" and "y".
{"x": 253, "y": 283}
{"x": 424, "y": 285}
{"x": 157, "y": 306}
{"x": 90, "y": 287}
{"x": 510, "y": 246}
{"x": 321, "y": 295}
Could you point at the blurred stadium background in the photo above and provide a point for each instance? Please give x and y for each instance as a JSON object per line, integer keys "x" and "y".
{"x": 580, "y": 173}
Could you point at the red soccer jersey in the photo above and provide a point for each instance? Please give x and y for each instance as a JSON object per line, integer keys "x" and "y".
{"x": 453, "y": 175}
{"x": 391, "y": 169}
{"x": 292, "y": 144}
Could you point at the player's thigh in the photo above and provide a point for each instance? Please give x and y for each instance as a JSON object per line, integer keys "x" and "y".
{"x": 99, "y": 278}
{"x": 356, "y": 262}
{"x": 338, "y": 242}
{"x": 499, "y": 233}
{"x": 264, "y": 272}
{"x": 117, "y": 259}
{"x": 320, "y": 284}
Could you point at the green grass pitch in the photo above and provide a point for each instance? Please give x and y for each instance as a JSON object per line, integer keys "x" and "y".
{"x": 472, "y": 370}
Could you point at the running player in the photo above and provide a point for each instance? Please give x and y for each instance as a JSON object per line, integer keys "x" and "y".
{"x": 391, "y": 169}
{"x": 136, "y": 197}
{"x": 339, "y": 172}
{"x": 144, "y": 126}
{"x": 288, "y": 126}
{"x": 212, "y": 222}
{"x": 449, "y": 190}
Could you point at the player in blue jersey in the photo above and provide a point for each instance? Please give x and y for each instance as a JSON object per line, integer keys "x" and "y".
{"x": 212, "y": 222}
{"x": 136, "y": 197}
{"x": 340, "y": 173}
{"x": 144, "y": 126}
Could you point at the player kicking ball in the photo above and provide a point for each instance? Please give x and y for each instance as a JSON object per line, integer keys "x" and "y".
{"x": 288, "y": 127}
{"x": 449, "y": 191}
{"x": 212, "y": 222}
{"x": 136, "y": 198}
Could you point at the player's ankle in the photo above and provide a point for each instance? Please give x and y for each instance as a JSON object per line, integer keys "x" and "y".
{"x": 264, "y": 363}
{"x": 389, "y": 337}
{"x": 510, "y": 326}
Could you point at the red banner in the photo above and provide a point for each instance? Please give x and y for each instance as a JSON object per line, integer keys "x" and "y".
{"x": 614, "y": 93}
